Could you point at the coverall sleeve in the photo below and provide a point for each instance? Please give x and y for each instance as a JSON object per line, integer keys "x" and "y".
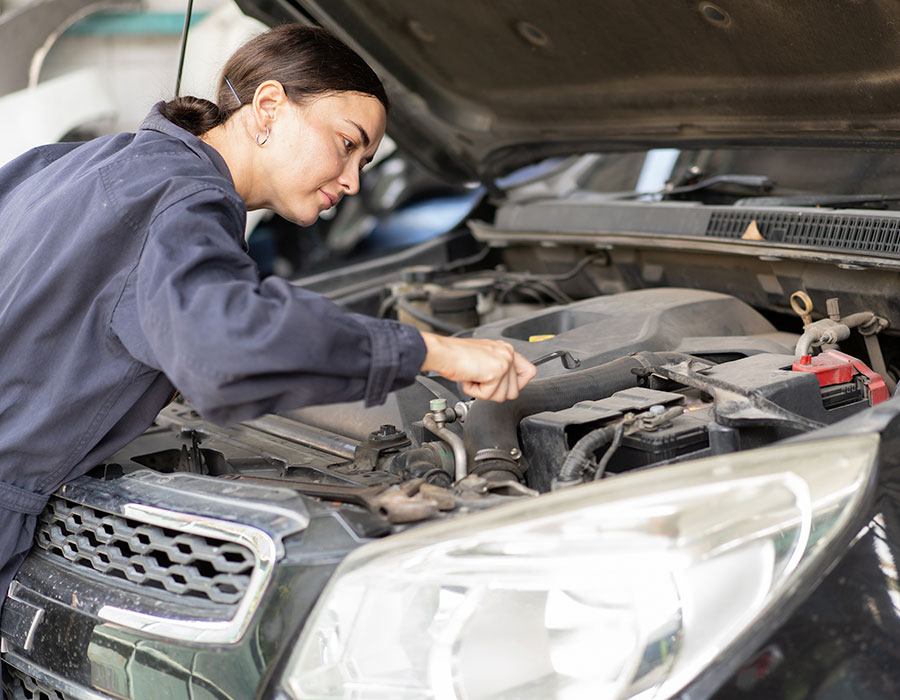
{"x": 238, "y": 347}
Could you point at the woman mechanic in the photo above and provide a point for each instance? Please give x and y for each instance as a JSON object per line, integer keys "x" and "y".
{"x": 124, "y": 274}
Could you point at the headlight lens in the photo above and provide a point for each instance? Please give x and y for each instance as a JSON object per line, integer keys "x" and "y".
{"x": 624, "y": 588}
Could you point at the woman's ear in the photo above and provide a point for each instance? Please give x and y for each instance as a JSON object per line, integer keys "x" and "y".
{"x": 267, "y": 99}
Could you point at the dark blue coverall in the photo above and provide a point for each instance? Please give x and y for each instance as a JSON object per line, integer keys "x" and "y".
{"x": 123, "y": 272}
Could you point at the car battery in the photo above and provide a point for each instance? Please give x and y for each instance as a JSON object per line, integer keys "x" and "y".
{"x": 685, "y": 435}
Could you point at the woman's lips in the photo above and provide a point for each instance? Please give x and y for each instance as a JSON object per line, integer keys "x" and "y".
{"x": 328, "y": 200}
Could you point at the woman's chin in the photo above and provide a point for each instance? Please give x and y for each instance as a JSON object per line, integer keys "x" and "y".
{"x": 300, "y": 218}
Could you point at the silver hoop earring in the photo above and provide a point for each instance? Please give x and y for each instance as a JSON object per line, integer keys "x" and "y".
{"x": 263, "y": 142}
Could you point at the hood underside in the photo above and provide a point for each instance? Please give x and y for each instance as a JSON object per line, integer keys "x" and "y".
{"x": 479, "y": 88}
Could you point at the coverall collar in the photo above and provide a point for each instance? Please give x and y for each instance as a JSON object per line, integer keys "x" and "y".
{"x": 155, "y": 121}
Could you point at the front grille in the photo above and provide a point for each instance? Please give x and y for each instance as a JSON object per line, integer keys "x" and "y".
{"x": 137, "y": 554}
{"x": 860, "y": 232}
{"x": 20, "y": 686}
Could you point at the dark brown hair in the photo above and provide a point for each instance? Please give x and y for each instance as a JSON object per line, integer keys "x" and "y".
{"x": 308, "y": 61}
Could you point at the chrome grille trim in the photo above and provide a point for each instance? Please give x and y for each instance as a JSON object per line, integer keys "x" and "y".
{"x": 141, "y": 555}
{"x": 258, "y": 519}
{"x": 209, "y": 632}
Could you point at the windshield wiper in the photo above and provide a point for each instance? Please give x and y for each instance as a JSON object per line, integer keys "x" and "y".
{"x": 817, "y": 200}
{"x": 726, "y": 183}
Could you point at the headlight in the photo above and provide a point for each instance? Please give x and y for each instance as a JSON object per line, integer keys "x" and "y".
{"x": 623, "y": 588}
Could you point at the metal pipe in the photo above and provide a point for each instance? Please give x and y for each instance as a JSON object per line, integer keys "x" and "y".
{"x": 184, "y": 36}
{"x": 455, "y": 441}
{"x": 319, "y": 439}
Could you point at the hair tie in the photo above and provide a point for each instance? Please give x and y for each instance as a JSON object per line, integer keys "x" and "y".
{"x": 228, "y": 83}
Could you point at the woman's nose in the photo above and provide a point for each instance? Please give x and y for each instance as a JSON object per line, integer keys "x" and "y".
{"x": 349, "y": 180}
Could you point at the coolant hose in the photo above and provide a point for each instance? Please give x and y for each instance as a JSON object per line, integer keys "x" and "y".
{"x": 490, "y": 429}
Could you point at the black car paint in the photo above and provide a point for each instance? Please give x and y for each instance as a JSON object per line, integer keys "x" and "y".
{"x": 835, "y": 636}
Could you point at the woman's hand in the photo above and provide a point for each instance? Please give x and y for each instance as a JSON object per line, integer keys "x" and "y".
{"x": 488, "y": 369}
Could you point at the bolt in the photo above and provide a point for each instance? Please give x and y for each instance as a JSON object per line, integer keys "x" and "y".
{"x": 437, "y": 405}
{"x": 386, "y": 434}
{"x": 657, "y": 410}
{"x": 515, "y": 453}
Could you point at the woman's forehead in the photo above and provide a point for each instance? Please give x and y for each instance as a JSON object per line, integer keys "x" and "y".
{"x": 356, "y": 106}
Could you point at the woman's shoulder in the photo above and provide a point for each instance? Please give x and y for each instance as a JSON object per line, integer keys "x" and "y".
{"x": 160, "y": 166}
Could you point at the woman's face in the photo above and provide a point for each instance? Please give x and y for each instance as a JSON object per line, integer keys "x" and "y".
{"x": 315, "y": 152}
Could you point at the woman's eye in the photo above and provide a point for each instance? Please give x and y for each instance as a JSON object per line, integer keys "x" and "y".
{"x": 348, "y": 144}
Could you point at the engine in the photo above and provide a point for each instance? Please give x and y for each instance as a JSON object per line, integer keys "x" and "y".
{"x": 657, "y": 376}
{"x": 628, "y": 381}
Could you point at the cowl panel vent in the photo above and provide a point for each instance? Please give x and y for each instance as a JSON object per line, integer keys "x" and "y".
{"x": 858, "y": 232}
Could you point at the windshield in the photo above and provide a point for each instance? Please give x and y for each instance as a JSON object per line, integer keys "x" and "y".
{"x": 788, "y": 172}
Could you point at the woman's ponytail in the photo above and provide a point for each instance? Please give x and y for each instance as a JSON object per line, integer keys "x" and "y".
{"x": 192, "y": 114}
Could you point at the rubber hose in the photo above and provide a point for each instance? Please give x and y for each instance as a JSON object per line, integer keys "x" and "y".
{"x": 490, "y": 430}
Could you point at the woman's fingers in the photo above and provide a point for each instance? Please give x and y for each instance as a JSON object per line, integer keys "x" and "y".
{"x": 501, "y": 389}
{"x": 524, "y": 370}
{"x": 507, "y": 387}
{"x": 488, "y": 369}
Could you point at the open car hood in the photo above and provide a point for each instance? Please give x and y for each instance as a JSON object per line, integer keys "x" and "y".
{"x": 479, "y": 88}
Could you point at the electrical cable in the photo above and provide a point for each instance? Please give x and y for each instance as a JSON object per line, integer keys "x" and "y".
{"x": 501, "y": 298}
{"x": 387, "y": 305}
{"x": 462, "y": 262}
{"x": 550, "y": 290}
{"x": 610, "y": 451}
{"x": 563, "y": 276}
{"x": 404, "y": 303}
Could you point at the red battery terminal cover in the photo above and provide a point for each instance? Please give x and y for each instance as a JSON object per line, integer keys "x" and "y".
{"x": 832, "y": 367}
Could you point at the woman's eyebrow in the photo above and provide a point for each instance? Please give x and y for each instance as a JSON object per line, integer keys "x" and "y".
{"x": 362, "y": 133}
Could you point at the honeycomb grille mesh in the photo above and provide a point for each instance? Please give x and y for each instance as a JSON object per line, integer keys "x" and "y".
{"x": 21, "y": 686}
{"x": 876, "y": 234}
{"x": 140, "y": 554}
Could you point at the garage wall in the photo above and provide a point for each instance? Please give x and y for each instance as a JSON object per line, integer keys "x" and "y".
{"x": 137, "y": 53}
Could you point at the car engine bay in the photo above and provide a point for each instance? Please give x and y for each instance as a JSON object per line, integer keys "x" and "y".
{"x": 627, "y": 381}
